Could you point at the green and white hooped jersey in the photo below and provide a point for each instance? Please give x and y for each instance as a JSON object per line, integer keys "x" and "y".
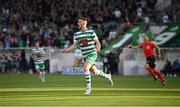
{"x": 86, "y": 42}
{"x": 38, "y": 55}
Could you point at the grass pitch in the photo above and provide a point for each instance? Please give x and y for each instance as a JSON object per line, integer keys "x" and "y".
{"x": 63, "y": 90}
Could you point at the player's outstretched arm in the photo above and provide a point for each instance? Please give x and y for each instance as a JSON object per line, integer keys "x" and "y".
{"x": 159, "y": 51}
{"x": 72, "y": 47}
{"x": 98, "y": 45}
{"x": 130, "y": 46}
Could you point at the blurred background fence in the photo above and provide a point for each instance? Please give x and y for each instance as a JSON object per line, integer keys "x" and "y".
{"x": 130, "y": 62}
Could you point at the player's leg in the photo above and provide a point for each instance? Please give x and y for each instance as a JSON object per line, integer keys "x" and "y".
{"x": 42, "y": 70}
{"x": 37, "y": 68}
{"x": 150, "y": 70}
{"x": 39, "y": 71}
{"x": 158, "y": 73}
{"x": 150, "y": 65}
{"x": 87, "y": 73}
{"x": 102, "y": 74}
{"x": 42, "y": 74}
{"x": 91, "y": 59}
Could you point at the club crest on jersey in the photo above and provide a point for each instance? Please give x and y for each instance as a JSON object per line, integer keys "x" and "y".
{"x": 83, "y": 42}
{"x": 148, "y": 47}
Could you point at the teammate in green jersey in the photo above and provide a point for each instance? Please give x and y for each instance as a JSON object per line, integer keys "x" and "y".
{"x": 38, "y": 55}
{"x": 89, "y": 46}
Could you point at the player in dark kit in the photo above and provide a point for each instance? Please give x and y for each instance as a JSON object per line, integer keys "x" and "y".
{"x": 148, "y": 48}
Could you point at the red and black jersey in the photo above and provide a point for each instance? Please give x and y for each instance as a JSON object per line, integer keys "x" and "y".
{"x": 148, "y": 48}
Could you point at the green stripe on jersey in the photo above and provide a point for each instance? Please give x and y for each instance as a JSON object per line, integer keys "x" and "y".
{"x": 87, "y": 37}
{"x": 86, "y": 40}
{"x": 38, "y": 54}
{"x": 88, "y": 48}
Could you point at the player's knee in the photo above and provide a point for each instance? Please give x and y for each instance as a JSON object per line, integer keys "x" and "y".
{"x": 86, "y": 68}
{"x": 94, "y": 71}
{"x": 156, "y": 70}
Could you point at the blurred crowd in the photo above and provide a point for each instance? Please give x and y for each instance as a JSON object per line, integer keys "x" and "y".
{"x": 53, "y": 22}
{"x": 171, "y": 69}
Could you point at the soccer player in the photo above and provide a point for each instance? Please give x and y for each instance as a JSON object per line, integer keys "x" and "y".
{"x": 38, "y": 55}
{"x": 148, "y": 48}
{"x": 89, "y": 46}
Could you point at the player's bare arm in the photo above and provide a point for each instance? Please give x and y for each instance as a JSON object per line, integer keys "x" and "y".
{"x": 72, "y": 47}
{"x": 98, "y": 45}
{"x": 159, "y": 51}
{"x": 130, "y": 46}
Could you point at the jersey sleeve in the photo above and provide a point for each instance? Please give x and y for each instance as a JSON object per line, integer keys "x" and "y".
{"x": 43, "y": 51}
{"x": 95, "y": 36}
{"x": 140, "y": 46}
{"x": 154, "y": 45}
{"x": 74, "y": 38}
{"x": 32, "y": 54}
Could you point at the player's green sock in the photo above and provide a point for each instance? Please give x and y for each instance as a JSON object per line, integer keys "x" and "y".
{"x": 102, "y": 74}
{"x": 88, "y": 79}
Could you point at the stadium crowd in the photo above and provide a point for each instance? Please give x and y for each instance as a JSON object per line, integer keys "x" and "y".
{"x": 54, "y": 21}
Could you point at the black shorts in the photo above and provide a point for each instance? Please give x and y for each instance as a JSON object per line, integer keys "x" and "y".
{"x": 151, "y": 61}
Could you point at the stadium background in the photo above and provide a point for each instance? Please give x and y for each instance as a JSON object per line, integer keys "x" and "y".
{"x": 117, "y": 23}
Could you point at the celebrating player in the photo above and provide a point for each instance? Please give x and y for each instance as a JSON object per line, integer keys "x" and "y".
{"x": 89, "y": 46}
{"x": 38, "y": 55}
{"x": 148, "y": 48}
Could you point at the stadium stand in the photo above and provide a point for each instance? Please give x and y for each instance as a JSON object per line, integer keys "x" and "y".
{"x": 25, "y": 21}
{"x": 53, "y": 22}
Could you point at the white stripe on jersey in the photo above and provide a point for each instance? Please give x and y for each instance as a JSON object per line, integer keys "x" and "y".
{"x": 84, "y": 52}
{"x": 88, "y": 47}
{"x": 35, "y": 52}
{"x": 86, "y": 39}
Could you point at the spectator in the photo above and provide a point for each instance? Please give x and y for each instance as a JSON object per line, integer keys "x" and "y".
{"x": 23, "y": 61}
{"x": 117, "y": 13}
{"x": 18, "y": 61}
{"x": 1, "y": 44}
{"x": 165, "y": 19}
{"x": 27, "y": 21}
{"x": 31, "y": 66}
{"x": 176, "y": 67}
{"x": 113, "y": 61}
{"x": 167, "y": 70}
{"x": 61, "y": 40}
{"x": 174, "y": 16}
{"x": 3, "y": 63}
{"x": 146, "y": 19}
{"x": 106, "y": 67}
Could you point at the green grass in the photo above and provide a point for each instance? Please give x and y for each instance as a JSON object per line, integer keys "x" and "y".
{"x": 61, "y": 90}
